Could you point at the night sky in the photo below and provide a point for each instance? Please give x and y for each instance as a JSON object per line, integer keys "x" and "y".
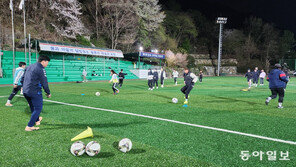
{"x": 282, "y": 13}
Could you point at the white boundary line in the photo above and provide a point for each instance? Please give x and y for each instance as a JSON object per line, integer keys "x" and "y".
{"x": 178, "y": 122}
{"x": 3, "y": 96}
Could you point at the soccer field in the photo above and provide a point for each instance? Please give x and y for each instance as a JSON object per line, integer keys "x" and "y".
{"x": 219, "y": 122}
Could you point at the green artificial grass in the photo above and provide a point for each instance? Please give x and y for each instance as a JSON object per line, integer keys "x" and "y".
{"x": 217, "y": 102}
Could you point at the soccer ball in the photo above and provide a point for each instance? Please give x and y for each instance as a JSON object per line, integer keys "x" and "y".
{"x": 77, "y": 148}
{"x": 175, "y": 100}
{"x": 125, "y": 145}
{"x": 93, "y": 148}
{"x": 98, "y": 93}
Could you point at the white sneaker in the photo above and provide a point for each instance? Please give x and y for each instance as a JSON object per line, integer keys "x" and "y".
{"x": 8, "y": 105}
{"x": 156, "y": 87}
{"x": 162, "y": 86}
{"x": 280, "y": 107}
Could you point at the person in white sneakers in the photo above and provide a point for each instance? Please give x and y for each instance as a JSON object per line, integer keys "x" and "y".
{"x": 17, "y": 86}
{"x": 175, "y": 76}
{"x": 150, "y": 79}
{"x": 262, "y": 77}
{"x": 84, "y": 74}
{"x": 277, "y": 83}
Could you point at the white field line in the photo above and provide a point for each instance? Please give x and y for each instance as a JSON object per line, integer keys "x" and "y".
{"x": 178, "y": 122}
{"x": 3, "y": 96}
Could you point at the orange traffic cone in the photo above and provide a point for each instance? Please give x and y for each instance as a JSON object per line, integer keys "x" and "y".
{"x": 87, "y": 133}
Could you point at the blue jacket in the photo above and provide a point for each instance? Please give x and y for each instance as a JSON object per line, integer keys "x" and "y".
{"x": 34, "y": 79}
{"x": 277, "y": 79}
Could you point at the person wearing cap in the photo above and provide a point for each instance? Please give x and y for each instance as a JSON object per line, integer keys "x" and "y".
{"x": 277, "y": 82}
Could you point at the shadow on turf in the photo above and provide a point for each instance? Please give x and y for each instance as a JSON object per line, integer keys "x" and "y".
{"x": 162, "y": 96}
{"x": 230, "y": 100}
{"x": 138, "y": 87}
{"x": 101, "y": 155}
{"x": 133, "y": 150}
{"x": 104, "y": 90}
{"x": 83, "y": 126}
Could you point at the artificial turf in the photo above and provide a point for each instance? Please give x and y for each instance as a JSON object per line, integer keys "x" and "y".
{"x": 217, "y": 102}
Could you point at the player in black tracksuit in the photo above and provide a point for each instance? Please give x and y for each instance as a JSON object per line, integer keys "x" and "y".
{"x": 189, "y": 80}
{"x": 249, "y": 76}
{"x": 150, "y": 79}
{"x": 121, "y": 77}
{"x": 155, "y": 79}
{"x": 33, "y": 80}
{"x": 162, "y": 76}
{"x": 256, "y": 74}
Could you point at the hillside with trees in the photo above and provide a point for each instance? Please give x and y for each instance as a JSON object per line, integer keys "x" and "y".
{"x": 128, "y": 24}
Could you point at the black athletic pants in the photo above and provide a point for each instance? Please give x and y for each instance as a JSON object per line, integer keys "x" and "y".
{"x": 200, "y": 79}
{"x": 120, "y": 82}
{"x": 155, "y": 82}
{"x": 150, "y": 83}
{"x": 255, "y": 80}
{"x": 278, "y": 91}
{"x": 186, "y": 90}
{"x": 175, "y": 80}
{"x": 161, "y": 81}
{"x": 14, "y": 92}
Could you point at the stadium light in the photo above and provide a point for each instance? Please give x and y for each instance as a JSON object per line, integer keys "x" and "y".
{"x": 221, "y": 21}
{"x": 141, "y": 48}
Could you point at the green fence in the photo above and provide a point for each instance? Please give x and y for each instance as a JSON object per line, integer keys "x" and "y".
{"x": 68, "y": 68}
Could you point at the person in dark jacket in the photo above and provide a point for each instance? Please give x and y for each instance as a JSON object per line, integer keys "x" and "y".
{"x": 33, "y": 80}
{"x": 249, "y": 76}
{"x": 121, "y": 77}
{"x": 162, "y": 77}
{"x": 155, "y": 79}
{"x": 150, "y": 79}
{"x": 256, "y": 74}
{"x": 200, "y": 76}
{"x": 189, "y": 80}
{"x": 277, "y": 82}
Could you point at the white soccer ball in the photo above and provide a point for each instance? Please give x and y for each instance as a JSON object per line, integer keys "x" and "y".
{"x": 98, "y": 93}
{"x": 77, "y": 148}
{"x": 125, "y": 145}
{"x": 175, "y": 100}
{"x": 93, "y": 148}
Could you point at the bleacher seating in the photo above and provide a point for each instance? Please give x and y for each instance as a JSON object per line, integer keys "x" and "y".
{"x": 73, "y": 65}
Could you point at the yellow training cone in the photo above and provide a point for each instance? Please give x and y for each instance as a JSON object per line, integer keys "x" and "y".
{"x": 87, "y": 133}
